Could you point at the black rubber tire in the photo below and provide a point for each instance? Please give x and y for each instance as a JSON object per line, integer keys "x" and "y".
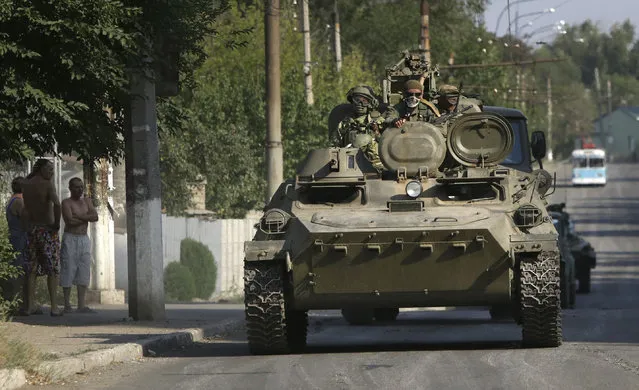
{"x": 563, "y": 286}
{"x": 539, "y": 297}
{"x": 573, "y": 295}
{"x": 584, "y": 280}
{"x": 358, "y": 316}
{"x": 270, "y": 327}
{"x": 386, "y": 314}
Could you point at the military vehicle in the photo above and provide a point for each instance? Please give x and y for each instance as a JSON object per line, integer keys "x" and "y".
{"x": 582, "y": 251}
{"x": 567, "y": 274}
{"x": 457, "y": 218}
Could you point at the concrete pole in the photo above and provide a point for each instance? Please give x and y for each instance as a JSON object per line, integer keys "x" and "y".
{"x": 424, "y": 37}
{"x": 338, "y": 38}
{"x": 306, "y": 31}
{"x": 274, "y": 153}
{"x": 602, "y": 137}
{"x": 609, "y": 95}
{"x": 549, "y": 98}
{"x": 143, "y": 202}
{"x": 102, "y": 288}
{"x": 518, "y": 86}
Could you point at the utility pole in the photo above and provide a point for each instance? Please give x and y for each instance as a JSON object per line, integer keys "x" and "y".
{"x": 600, "y": 127}
{"x": 609, "y": 96}
{"x": 424, "y": 37}
{"x": 338, "y": 38}
{"x": 144, "y": 200}
{"x": 549, "y": 98}
{"x": 524, "y": 97}
{"x": 274, "y": 152}
{"x": 306, "y": 31}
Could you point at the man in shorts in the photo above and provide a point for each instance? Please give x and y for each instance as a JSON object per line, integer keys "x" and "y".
{"x": 42, "y": 212}
{"x": 75, "y": 256}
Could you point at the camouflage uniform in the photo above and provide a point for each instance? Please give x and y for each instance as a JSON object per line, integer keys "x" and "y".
{"x": 365, "y": 120}
{"x": 424, "y": 111}
{"x": 466, "y": 105}
{"x": 371, "y": 124}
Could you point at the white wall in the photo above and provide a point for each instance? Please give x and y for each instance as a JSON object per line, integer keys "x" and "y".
{"x": 224, "y": 237}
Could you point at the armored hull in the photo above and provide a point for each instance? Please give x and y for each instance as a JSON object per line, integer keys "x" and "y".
{"x": 444, "y": 225}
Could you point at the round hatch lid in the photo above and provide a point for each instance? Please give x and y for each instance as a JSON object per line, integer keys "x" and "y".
{"x": 414, "y": 146}
{"x": 480, "y": 138}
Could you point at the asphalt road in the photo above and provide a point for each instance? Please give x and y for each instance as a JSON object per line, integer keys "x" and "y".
{"x": 459, "y": 349}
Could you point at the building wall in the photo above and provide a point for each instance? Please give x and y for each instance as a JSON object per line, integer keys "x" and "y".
{"x": 621, "y": 129}
{"x": 224, "y": 237}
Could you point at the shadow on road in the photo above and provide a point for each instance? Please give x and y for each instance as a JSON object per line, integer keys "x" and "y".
{"x": 609, "y": 233}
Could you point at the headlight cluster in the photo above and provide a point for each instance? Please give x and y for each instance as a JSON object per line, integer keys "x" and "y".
{"x": 527, "y": 216}
{"x": 274, "y": 221}
{"x": 414, "y": 188}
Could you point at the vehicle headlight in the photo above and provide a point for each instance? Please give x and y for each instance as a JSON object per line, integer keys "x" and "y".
{"x": 414, "y": 188}
{"x": 274, "y": 221}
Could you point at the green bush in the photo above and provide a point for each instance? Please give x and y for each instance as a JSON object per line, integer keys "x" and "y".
{"x": 7, "y": 271}
{"x": 178, "y": 282}
{"x": 199, "y": 259}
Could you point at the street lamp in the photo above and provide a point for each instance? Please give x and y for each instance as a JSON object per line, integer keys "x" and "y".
{"x": 559, "y": 26}
{"x": 514, "y": 21}
{"x": 506, "y": 9}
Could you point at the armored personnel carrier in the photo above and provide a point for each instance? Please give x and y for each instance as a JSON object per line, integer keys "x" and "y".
{"x": 457, "y": 218}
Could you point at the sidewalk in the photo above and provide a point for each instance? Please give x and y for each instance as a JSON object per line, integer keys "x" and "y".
{"x": 78, "y": 342}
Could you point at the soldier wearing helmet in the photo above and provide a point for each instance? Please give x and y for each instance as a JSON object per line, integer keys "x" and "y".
{"x": 448, "y": 96}
{"x": 364, "y": 120}
{"x": 413, "y": 106}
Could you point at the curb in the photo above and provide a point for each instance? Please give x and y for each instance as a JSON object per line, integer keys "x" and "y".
{"x": 12, "y": 378}
{"x": 56, "y": 370}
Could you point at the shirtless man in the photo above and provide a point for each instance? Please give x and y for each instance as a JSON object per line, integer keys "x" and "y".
{"x": 77, "y": 212}
{"x": 42, "y": 208}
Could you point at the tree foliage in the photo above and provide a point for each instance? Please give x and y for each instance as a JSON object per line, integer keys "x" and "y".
{"x": 222, "y": 129}
{"x": 64, "y": 61}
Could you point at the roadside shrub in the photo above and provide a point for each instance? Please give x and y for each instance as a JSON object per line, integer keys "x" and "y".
{"x": 198, "y": 258}
{"x": 179, "y": 284}
{"x": 7, "y": 272}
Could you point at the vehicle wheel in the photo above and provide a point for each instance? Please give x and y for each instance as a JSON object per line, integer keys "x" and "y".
{"x": 539, "y": 297}
{"x": 386, "y": 315}
{"x": 270, "y": 327}
{"x": 584, "y": 280}
{"x": 358, "y": 316}
{"x": 564, "y": 286}
{"x": 501, "y": 312}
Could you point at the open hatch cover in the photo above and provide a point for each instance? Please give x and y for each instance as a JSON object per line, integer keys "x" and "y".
{"x": 480, "y": 139}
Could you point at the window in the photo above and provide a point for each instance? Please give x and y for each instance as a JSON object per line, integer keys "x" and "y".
{"x": 516, "y": 156}
{"x": 470, "y": 192}
{"x": 596, "y": 162}
{"x": 580, "y": 162}
{"x": 330, "y": 195}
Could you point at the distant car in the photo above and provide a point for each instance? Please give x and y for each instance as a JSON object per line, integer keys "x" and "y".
{"x": 581, "y": 250}
{"x": 568, "y": 279}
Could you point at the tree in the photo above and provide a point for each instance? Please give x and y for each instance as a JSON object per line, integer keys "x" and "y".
{"x": 64, "y": 61}
{"x": 222, "y": 126}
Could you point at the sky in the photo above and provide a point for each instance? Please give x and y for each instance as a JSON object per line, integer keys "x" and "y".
{"x": 603, "y": 12}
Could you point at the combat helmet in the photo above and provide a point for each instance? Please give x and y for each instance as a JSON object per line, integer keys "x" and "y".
{"x": 366, "y": 92}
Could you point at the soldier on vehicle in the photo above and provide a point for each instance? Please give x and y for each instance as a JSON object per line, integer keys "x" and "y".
{"x": 365, "y": 120}
{"x": 447, "y": 97}
{"x": 413, "y": 107}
